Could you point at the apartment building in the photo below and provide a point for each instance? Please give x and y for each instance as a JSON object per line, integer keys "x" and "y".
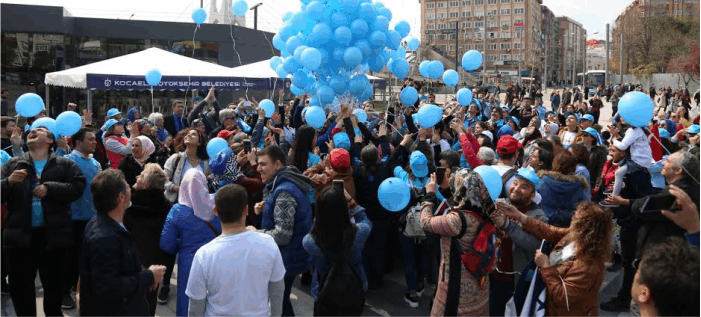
{"x": 572, "y": 45}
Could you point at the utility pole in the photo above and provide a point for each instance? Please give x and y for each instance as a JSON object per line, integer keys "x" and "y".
{"x": 457, "y": 41}
{"x": 621, "y": 79}
{"x": 255, "y": 14}
{"x": 606, "y": 77}
{"x": 544, "y": 84}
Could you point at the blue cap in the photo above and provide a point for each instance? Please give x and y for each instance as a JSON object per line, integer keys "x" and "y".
{"x": 505, "y": 130}
{"x": 693, "y": 129}
{"x": 419, "y": 164}
{"x": 570, "y": 113}
{"x": 664, "y": 133}
{"x": 341, "y": 141}
{"x": 113, "y": 112}
{"x": 588, "y": 117}
{"x": 515, "y": 120}
{"x": 529, "y": 175}
{"x": 549, "y": 112}
{"x": 591, "y": 131}
{"x": 110, "y": 123}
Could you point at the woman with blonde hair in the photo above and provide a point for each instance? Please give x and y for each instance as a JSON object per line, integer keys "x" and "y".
{"x": 574, "y": 271}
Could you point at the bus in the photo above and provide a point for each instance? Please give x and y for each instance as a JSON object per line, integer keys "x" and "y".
{"x": 595, "y": 78}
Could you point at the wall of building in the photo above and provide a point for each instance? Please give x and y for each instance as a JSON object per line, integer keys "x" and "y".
{"x": 660, "y": 80}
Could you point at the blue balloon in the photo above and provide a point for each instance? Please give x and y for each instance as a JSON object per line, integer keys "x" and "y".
{"x": 464, "y": 97}
{"x": 290, "y": 65}
{"x": 268, "y": 106}
{"x": 286, "y": 17}
{"x": 199, "y": 16}
{"x": 380, "y": 24}
{"x": 68, "y": 123}
{"x": 429, "y": 115}
{"x": 279, "y": 43}
{"x": 48, "y": 123}
{"x": 300, "y": 79}
{"x": 471, "y": 60}
{"x": 349, "y": 6}
{"x": 451, "y": 78}
{"x": 636, "y": 108}
{"x": 412, "y": 44}
{"x": 376, "y": 63}
{"x": 216, "y": 145}
{"x": 339, "y": 19}
{"x": 364, "y": 47}
{"x": 298, "y": 21}
{"x": 366, "y": 11}
{"x": 378, "y": 5}
{"x": 293, "y": 43}
{"x": 367, "y": 93}
{"x": 315, "y": 10}
{"x": 295, "y": 90}
{"x": 280, "y": 70}
{"x": 240, "y": 7}
{"x": 435, "y": 69}
{"x": 393, "y": 38}
{"x": 315, "y": 117}
{"x": 326, "y": 94}
{"x": 29, "y": 105}
{"x": 409, "y": 96}
{"x": 343, "y": 35}
{"x": 377, "y": 39}
{"x": 403, "y": 28}
{"x": 361, "y": 115}
{"x": 491, "y": 179}
{"x": 298, "y": 53}
{"x": 423, "y": 68}
{"x": 321, "y": 34}
{"x": 357, "y": 85}
{"x": 394, "y": 194}
{"x": 400, "y": 68}
{"x": 352, "y": 56}
{"x": 311, "y": 58}
{"x": 153, "y": 77}
{"x": 275, "y": 61}
{"x": 359, "y": 28}
{"x": 286, "y": 32}
{"x": 385, "y": 13}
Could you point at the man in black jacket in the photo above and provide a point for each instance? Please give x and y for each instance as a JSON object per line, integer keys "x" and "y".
{"x": 112, "y": 279}
{"x": 38, "y": 188}
{"x": 210, "y": 118}
{"x": 176, "y": 121}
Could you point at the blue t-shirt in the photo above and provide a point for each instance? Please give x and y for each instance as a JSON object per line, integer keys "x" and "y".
{"x": 37, "y": 210}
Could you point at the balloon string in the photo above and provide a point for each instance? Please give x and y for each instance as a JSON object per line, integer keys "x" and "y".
{"x": 231, "y": 34}
{"x": 189, "y": 76}
{"x": 668, "y": 151}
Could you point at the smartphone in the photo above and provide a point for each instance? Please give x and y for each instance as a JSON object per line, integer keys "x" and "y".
{"x": 440, "y": 173}
{"x": 247, "y": 146}
{"x": 390, "y": 115}
{"x": 658, "y": 203}
{"x": 338, "y": 184}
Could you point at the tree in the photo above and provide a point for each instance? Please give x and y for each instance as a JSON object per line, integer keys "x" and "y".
{"x": 687, "y": 65}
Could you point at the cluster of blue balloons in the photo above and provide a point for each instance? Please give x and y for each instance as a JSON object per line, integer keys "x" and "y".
{"x": 431, "y": 69}
{"x": 329, "y": 44}
{"x": 636, "y": 108}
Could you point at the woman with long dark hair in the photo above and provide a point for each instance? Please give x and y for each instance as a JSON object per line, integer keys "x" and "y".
{"x": 302, "y": 155}
{"x": 334, "y": 233}
{"x": 192, "y": 153}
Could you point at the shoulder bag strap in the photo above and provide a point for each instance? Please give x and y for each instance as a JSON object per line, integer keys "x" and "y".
{"x": 209, "y": 224}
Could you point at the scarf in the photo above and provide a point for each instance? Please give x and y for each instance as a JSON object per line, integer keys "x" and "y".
{"x": 195, "y": 194}
{"x": 147, "y": 148}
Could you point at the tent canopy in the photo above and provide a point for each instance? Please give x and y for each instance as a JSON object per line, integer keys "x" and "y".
{"x": 128, "y": 72}
{"x": 262, "y": 70}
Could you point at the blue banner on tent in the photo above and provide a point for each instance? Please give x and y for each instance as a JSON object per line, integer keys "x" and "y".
{"x": 105, "y": 82}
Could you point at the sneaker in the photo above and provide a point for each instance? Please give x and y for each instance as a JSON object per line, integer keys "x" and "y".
{"x": 68, "y": 302}
{"x": 420, "y": 291}
{"x": 616, "y": 305}
{"x": 413, "y": 301}
{"x": 163, "y": 293}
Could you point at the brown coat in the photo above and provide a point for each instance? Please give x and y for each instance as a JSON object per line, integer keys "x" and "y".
{"x": 331, "y": 175}
{"x": 578, "y": 137}
{"x": 576, "y": 281}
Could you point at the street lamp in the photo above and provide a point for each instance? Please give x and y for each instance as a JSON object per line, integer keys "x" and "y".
{"x": 574, "y": 58}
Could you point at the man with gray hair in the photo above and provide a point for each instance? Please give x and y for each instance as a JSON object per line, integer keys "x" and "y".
{"x": 227, "y": 121}
{"x": 486, "y": 155}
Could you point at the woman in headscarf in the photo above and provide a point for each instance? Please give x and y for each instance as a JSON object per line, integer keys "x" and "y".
{"x": 574, "y": 271}
{"x": 458, "y": 292}
{"x": 190, "y": 224}
{"x": 141, "y": 153}
{"x": 134, "y": 114}
{"x": 116, "y": 145}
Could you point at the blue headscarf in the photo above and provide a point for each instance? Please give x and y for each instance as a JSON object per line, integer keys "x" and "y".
{"x": 131, "y": 114}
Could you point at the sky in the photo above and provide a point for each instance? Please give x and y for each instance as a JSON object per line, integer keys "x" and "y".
{"x": 593, "y": 14}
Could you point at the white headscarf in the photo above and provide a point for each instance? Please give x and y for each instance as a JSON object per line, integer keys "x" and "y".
{"x": 194, "y": 194}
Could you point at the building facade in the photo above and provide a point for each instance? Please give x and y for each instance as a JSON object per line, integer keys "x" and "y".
{"x": 572, "y": 44}
{"x": 550, "y": 31}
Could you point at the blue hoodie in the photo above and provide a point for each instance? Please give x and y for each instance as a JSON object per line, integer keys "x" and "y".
{"x": 560, "y": 195}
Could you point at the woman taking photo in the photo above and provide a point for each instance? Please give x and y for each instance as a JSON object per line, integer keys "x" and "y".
{"x": 574, "y": 271}
{"x": 302, "y": 153}
{"x": 116, "y": 145}
{"x": 190, "y": 224}
{"x": 334, "y": 233}
{"x": 192, "y": 153}
{"x": 141, "y": 153}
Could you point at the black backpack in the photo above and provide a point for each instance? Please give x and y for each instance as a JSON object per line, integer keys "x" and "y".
{"x": 341, "y": 291}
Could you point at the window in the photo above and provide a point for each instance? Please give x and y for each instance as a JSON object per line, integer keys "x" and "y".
{"x": 441, "y": 15}
{"x": 491, "y": 13}
{"x": 451, "y": 47}
{"x": 479, "y": 24}
{"x": 430, "y": 16}
{"x": 441, "y": 4}
{"x": 506, "y": 35}
{"x": 505, "y": 46}
{"x": 441, "y": 26}
{"x": 517, "y": 46}
{"x": 677, "y": 12}
{"x": 453, "y": 25}
{"x": 505, "y": 1}
{"x": 491, "y": 24}
{"x": 479, "y": 47}
{"x": 430, "y": 37}
{"x": 491, "y": 58}
{"x": 505, "y": 11}
{"x": 466, "y": 3}
{"x": 468, "y": 47}
{"x": 466, "y": 14}
{"x": 519, "y": 10}
{"x": 518, "y": 21}
{"x": 493, "y": 35}
{"x": 491, "y": 46}
{"x": 441, "y": 37}
{"x": 491, "y": 1}
{"x": 453, "y": 3}
{"x": 505, "y": 23}
{"x": 430, "y": 26}
{"x": 430, "y": 5}
{"x": 453, "y": 14}
{"x": 519, "y": 1}
{"x": 479, "y": 2}
{"x": 452, "y": 36}
{"x": 677, "y": 1}
{"x": 466, "y": 25}
{"x": 505, "y": 57}
{"x": 479, "y": 13}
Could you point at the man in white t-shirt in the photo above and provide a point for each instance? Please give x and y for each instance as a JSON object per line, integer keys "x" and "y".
{"x": 240, "y": 273}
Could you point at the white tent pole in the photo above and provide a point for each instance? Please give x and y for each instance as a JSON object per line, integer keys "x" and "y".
{"x": 47, "y": 100}
{"x": 89, "y": 100}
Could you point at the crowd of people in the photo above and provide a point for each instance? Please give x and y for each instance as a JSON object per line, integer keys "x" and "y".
{"x": 104, "y": 214}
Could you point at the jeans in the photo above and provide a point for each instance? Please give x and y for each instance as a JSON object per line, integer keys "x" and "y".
{"x": 499, "y": 294}
{"x": 375, "y": 252}
{"x": 286, "y": 303}
{"x": 22, "y": 268}
{"x": 628, "y": 240}
{"x": 415, "y": 260}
